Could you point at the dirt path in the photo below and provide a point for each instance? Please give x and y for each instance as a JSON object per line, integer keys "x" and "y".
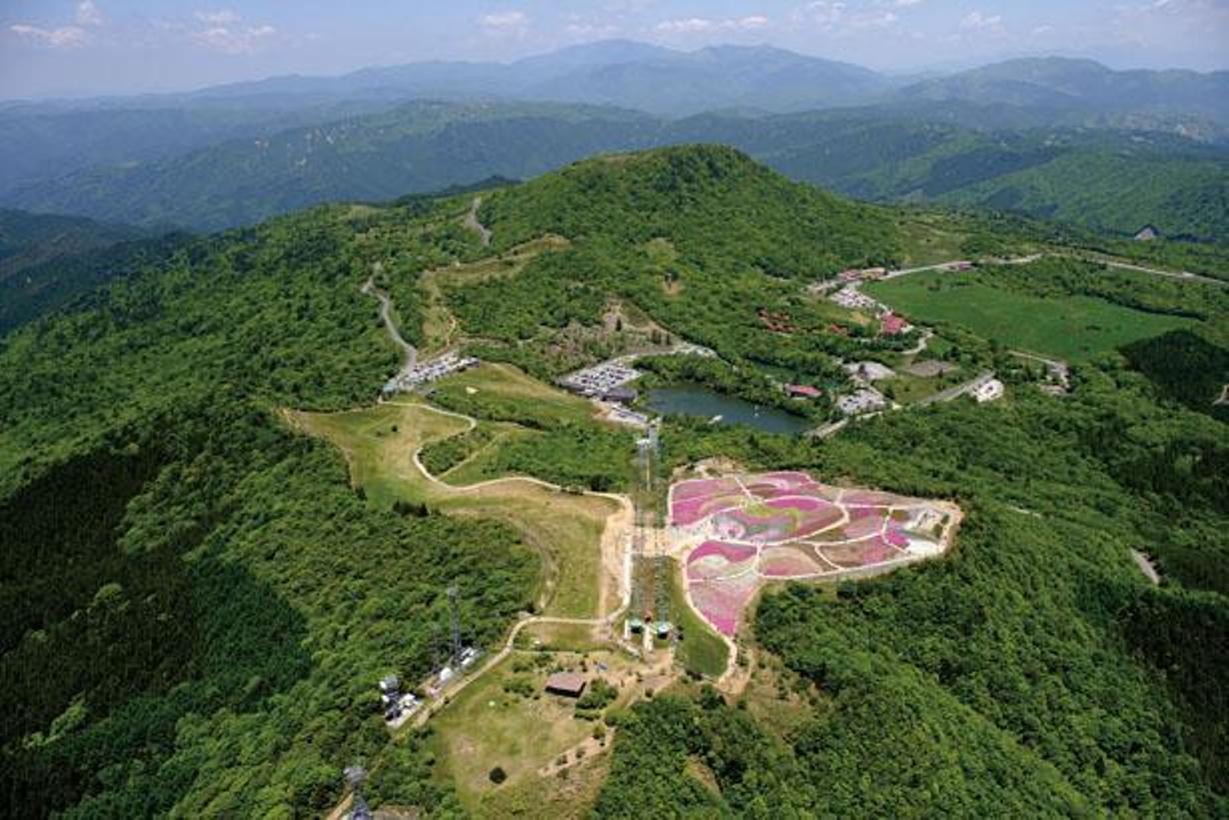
{"x": 471, "y": 222}
{"x": 1146, "y": 567}
{"x": 618, "y": 524}
{"x": 386, "y": 306}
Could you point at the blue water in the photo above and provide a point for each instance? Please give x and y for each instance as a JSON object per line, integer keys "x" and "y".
{"x": 693, "y": 400}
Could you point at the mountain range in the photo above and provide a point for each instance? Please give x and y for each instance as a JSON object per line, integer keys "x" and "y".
{"x": 51, "y": 138}
{"x": 1104, "y": 179}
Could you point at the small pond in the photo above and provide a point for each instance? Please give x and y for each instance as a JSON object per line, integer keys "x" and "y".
{"x": 694, "y": 400}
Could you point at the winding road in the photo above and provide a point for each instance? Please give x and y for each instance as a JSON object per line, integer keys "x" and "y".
{"x": 386, "y": 307}
{"x": 471, "y": 222}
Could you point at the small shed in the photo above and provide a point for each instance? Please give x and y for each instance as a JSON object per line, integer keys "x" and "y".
{"x": 803, "y": 391}
{"x": 1147, "y": 233}
{"x": 568, "y": 684}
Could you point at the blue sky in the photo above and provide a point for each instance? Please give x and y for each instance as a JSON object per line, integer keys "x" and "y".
{"x": 82, "y": 47}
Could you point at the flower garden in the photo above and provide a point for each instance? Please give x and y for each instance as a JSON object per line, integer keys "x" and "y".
{"x": 739, "y": 531}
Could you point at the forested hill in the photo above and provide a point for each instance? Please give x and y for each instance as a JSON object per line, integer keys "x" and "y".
{"x": 47, "y": 259}
{"x": 214, "y": 583}
{"x": 211, "y": 600}
{"x": 712, "y": 202}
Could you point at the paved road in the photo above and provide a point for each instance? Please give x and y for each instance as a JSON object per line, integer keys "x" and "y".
{"x": 1185, "y": 276}
{"x": 386, "y": 306}
{"x": 471, "y": 222}
{"x": 830, "y": 429}
{"x": 959, "y": 390}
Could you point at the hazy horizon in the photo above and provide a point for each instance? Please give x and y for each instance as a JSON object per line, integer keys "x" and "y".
{"x": 122, "y": 47}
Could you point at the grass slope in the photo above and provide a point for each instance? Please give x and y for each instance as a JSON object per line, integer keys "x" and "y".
{"x": 1075, "y": 328}
{"x": 379, "y": 444}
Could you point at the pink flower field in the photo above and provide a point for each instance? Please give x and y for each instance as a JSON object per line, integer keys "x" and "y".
{"x": 714, "y": 559}
{"x": 781, "y": 525}
{"x": 790, "y": 561}
{"x": 721, "y": 602}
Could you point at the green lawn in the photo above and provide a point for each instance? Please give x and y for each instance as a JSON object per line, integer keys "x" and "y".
{"x": 702, "y": 650}
{"x": 1075, "y": 328}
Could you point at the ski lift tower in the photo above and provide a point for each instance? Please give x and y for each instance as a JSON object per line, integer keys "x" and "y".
{"x": 355, "y": 776}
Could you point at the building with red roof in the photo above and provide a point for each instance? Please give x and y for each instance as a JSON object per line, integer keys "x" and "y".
{"x": 893, "y": 324}
{"x": 803, "y": 391}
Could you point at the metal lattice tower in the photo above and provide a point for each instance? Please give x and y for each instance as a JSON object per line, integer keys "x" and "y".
{"x": 355, "y": 776}
{"x": 436, "y": 660}
{"x": 454, "y": 606}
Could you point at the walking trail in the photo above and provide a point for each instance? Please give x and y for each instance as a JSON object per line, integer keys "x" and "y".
{"x": 471, "y": 222}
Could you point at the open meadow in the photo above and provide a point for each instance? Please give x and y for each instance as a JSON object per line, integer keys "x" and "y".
{"x": 569, "y": 529}
{"x": 1075, "y": 328}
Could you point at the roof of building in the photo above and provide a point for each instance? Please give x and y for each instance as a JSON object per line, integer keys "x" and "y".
{"x": 893, "y": 324}
{"x": 620, "y": 393}
{"x": 566, "y": 683}
{"x": 803, "y": 390}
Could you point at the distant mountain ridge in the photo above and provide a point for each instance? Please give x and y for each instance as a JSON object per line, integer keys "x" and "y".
{"x": 47, "y": 259}
{"x": 53, "y": 138}
{"x": 1104, "y": 179}
{"x": 621, "y": 73}
{"x": 1060, "y": 82}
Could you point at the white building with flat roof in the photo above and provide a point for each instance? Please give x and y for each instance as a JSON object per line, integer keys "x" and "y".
{"x": 989, "y": 390}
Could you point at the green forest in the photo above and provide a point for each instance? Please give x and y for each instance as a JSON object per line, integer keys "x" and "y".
{"x": 201, "y": 602}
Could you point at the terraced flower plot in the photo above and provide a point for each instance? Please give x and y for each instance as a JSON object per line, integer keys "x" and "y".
{"x": 739, "y": 531}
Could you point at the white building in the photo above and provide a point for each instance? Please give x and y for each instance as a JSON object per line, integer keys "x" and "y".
{"x": 988, "y": 390}
{"x": 866, "y": 400}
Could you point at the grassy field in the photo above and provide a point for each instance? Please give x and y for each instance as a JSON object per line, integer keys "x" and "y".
{"x": 492, "y": 724}
{"x": 440, "y": 329}
{"x": 499, "y": 392}
{"x": 702, "y": 650}
{"x": 1075, "y": 328}
{"x": 566, "y": 528}
{"x": 926, "y": 239}
{"x": 548, "y": 637}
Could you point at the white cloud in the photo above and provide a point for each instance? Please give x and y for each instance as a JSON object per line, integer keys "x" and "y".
{"x": 62, "y": 37}
{"x": 581, "y": 29}
{"x": 88, "y": 14}
{"x": 823, "y": 14}
{"x": 976, "y": 21}
{"x": 887, "y": 18}
{"x": 503, "y": 20}
{"x": 754, "y": 21}
{"x": 685, "y": 25}
{"x": 837, "y": 18}
{"x": 692, "y": 25}
{"x": 231, "y": 40}
{"x": 221, "y": 17}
